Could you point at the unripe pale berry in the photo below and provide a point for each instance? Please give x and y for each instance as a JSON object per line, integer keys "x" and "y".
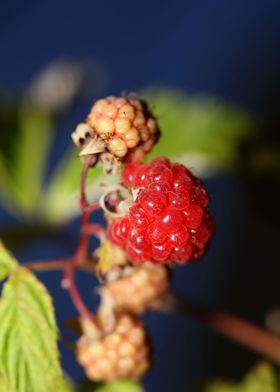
{"x": 123, "y": 353}
{"x": 126, "y": 126}
{"x": 140, "y": 290}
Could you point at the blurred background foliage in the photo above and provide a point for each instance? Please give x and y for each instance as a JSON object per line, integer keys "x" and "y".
{"x": 262, "y": 378}
{"x": 201, "y": 131}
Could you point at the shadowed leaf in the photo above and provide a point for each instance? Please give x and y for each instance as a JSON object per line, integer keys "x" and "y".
{"x": 263, "y": 378}
{"x": 202, "y": 132}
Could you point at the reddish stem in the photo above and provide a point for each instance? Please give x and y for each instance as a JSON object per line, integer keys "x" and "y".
{"x": 70, "y": 284}
{"x": 235, "y": 328}
{"x": 92, "y": 207}
{"x": 82, "y": 247}
{"x": 96, "y": 230}
{"x": 57, "y": 265}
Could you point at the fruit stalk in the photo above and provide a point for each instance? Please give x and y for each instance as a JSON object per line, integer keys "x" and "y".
{"x": 56, "y": 265}
{"x": 82, "y": 248}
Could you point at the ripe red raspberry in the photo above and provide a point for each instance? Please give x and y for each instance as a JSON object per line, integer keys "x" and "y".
{"x": 140, "y": 290}
{"x": 126, "y": 128}
{"x": 123, "y": 353}
{"x": 169, "y": 221}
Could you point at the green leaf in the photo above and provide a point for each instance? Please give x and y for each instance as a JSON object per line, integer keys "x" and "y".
{"x": 29, "y": 357}
{"x": 23, "y": 157}
{"x": 7, "y": 194}
{"x": 7, "y": 262}
{"x": 61, "y": 200}
{"x": 120, "y": 386}
{"x": 33, "y": 146}
{"x": 202, "y": 132}
{"x": 263, "y": 378}
{"x": 65, "y": 385}
{"x": 4, "y": 386}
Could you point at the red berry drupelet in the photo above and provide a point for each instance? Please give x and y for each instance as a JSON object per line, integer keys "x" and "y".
{"x": 169, "y": 220}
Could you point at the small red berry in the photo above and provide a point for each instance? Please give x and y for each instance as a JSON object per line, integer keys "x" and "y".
{"x": 152, "y": 201}
{"x": 157, "y": 235}
{"x": 114, "y": 233}
{"x": 124, "y": 227}
{"x": 162, "y": 187}
{"x": 182, "y": 254}
{"x": 193, "y": 216}
{"x": 161, "y": 252}
{"x": 179, "y": 199}
{"x": 137, "y": 217}
{"x": 139, "y": 239}
{"x": 128, "y": 173}
{"x": 199, "y": 196}
{"x": 160, "y": 173}
{"x": 141, "y": 176}
{"x": 180, "y": 237}
{"x": 169, "y": 220}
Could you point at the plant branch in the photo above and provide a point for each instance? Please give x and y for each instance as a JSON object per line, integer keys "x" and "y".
{"x": 82, "y": 248}
{"x": 96, "y": 230}
{"x": 56, "y": 265}
{"x": 70, "y": 284}
{"x": 92, "y": 207}
{"x": 242, "y": 331}
{"x": 81, "y": 253}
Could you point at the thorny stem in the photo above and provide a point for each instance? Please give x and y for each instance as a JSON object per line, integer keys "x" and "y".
{"x": 242, "y": 331}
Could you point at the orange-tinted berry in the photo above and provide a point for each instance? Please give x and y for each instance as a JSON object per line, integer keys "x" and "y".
{"x": 140, "y": 290}
{"x": 127, "y": 127}
{"x": 123, "y": 353}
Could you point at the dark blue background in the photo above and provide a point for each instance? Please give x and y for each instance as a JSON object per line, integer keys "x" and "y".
{"x": 226, "y": 48}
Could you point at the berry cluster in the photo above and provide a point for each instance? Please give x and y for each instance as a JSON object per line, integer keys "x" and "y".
{"x": 123, "y": 353}
{"x": 156, "y": 216}
{"x": 169, "y": 220}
